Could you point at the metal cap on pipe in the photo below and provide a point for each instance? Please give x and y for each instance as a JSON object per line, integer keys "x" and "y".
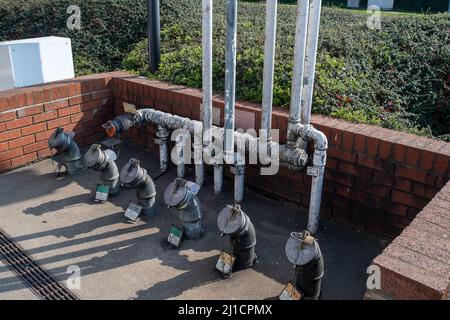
{"x": 132, "y": 173}
{"x": 178, "y": 191}
{"x": 94, "y": 156}
{"x": 231, "y": 220}
{"x": 301, "y": 248}
{"x": 60, "y": 140}
{"x": 175, "y": 193}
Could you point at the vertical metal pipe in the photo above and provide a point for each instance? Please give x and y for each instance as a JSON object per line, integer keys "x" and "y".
{"x": 314, "y": 205}
{"x": 239, "y": 178}
{"x": 154, "y": 34}
{"x": 180, "y": 166}
{"x": 162, "y": 139}
{"x": 301, "y": 32}
{"x": 207, "y": 42}
{"x": 311, "y": 57}
{"x": 269, "y": 66}
{"x": 230, "y": 80}
{"x": 218, "y": 178}
{"x": 198, "y": 154}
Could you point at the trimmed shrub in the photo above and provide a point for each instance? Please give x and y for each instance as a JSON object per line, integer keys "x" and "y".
{"x": 397, "y": 77}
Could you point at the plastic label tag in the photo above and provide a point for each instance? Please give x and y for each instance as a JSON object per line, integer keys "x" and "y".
{"x": 290, "y": 292}
{"x": 175, "y": 236}
{"x": 226, "y": 263}
{"x": 133, "y": 212}
{"x": 102, "y": 193}
{"x": 129, "y": 108}
{"x": 314, "y": 172}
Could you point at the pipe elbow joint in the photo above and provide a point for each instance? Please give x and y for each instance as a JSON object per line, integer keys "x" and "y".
{"x": 121, "y": 124}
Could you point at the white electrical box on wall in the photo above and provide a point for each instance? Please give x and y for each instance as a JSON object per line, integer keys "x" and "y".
{"x": 35, "y": 61}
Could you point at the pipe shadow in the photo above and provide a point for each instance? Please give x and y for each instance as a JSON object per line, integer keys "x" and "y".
{"x": 57, "y": 205}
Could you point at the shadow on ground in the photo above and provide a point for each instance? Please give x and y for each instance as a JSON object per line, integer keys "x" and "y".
{"x": 101, "y": 242}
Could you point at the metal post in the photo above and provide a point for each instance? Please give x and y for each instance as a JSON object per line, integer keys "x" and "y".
{"x": 154, "y": 35}
{"x": 230, "y": 80}
{"x": 299, "y": 66}
{"x": 269, "y": 66}
{"x": 207, "y": 41}
{"x": 311, "y": 56}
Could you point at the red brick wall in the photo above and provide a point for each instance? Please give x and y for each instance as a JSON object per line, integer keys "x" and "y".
{"x": 376, "y": 180}
{"x": 415, "y": 265}
{"x": 29, "y": 116}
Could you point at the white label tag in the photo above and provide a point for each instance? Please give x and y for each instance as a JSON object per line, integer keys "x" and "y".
{"x": 102, "y": 193}
{"x": 129, "y": 108}
{"x": 290, "y": 292}
{"x": 314, "y": 172}
{"x": 133, "y": 212}
{"x": 225, "y": 263}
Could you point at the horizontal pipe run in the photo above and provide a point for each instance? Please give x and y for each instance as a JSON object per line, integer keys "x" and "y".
{"x": 295, "y": 157}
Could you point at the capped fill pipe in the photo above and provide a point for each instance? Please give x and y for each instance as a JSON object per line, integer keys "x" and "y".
{"x": 233, "y": 222}
{"x": 303, "y": 251}
{"x": 103, "y": 161}
{"x": 301, "y": 31}
{"x": 230, "y": 80}
{"x": 68, "y": 153}
{"x": 181, "y": 196}
{"x": 269, "y": 66}
{"x": 133, "y": 175}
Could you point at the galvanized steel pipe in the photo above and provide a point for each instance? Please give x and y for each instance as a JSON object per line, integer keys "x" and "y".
{"x": 269, "y": 66}
{"x": 207, "y": 69}
{"x": 68, "y": 153}
{"x": 230, "y": 80}
{"x": 98, "y": 160}
{"x": 298, "y": 72}
{"x": 320, "y": 141}
{"x": 311, "y": 57}
{"x": 162, "y": 139}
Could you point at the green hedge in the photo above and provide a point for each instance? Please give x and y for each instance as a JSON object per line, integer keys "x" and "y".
{"x": 391, "y": 77}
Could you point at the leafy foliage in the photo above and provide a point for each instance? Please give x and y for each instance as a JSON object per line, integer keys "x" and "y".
{"x": 397, "y": 77}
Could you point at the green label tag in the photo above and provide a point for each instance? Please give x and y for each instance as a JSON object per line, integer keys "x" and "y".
{"x": 102, "y": 192}
{"x": 175, "y": 236}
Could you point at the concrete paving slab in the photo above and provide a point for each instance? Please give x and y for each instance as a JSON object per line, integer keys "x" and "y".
{"x": 57, "y": 223}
